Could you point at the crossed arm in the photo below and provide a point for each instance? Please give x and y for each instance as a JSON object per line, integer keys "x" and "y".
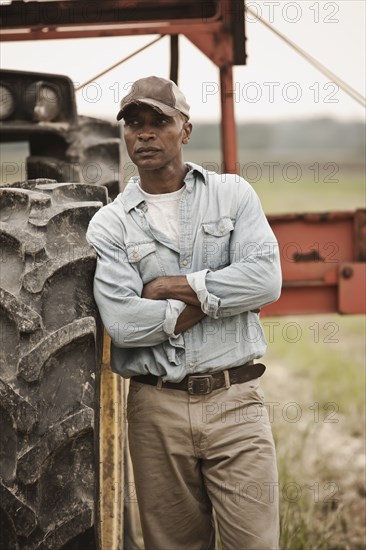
{"x": 177, "y": 288}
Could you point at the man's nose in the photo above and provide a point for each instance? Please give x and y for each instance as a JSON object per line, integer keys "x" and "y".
{"x": 146, "y": 133}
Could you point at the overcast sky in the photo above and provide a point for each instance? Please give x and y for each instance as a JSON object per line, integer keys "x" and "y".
{"x": 276, "y": 83}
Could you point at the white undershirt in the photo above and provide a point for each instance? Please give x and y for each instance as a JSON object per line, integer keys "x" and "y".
{"x": 163, "y": 212}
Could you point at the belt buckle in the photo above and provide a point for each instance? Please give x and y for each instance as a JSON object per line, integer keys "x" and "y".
{"x": 203, "y": 386}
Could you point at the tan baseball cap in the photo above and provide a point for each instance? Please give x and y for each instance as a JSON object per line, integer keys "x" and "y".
{"x": 160, "y": 93}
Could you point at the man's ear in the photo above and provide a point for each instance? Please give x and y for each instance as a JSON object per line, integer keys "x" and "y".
{"x": 187, "y": 130}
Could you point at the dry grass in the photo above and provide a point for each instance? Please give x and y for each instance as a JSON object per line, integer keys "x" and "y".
{"x": 319, "y": 427}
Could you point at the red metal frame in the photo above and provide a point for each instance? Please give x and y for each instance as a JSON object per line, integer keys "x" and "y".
{"x": 323, "y": 262}
{"x": 322, "y": 255}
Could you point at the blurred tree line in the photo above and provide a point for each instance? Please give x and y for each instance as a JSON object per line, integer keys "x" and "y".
{"x": 302, "y": 137}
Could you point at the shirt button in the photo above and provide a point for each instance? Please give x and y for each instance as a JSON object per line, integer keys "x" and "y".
{"x": 141, "y": 214}
{"x": 184, "y": 262}
{"x": 222, "y": 229}
{"x": 191, "y": 365}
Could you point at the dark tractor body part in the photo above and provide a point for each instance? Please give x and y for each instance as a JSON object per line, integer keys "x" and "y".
{"x": 51, "y": 337}
{"x": 40, "y": 110}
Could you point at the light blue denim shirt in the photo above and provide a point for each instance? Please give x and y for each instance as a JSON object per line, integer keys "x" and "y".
{"x": 230, "y": 255}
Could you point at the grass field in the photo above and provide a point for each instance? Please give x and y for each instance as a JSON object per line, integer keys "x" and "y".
{"x": 321, "y": 455}
{"x": 295, "y": 184}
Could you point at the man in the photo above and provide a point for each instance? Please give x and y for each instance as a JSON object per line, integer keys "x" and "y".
{"x": 185, "y": 260}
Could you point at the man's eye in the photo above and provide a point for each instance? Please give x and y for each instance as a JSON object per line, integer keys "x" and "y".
{"x": 132, "y": 122}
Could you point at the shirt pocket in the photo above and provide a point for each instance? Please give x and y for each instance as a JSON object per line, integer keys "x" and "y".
{"x": 144, "y": 256}
{"x": 216, "y": 243}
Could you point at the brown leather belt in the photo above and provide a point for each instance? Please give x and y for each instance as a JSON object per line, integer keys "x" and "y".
{"x": 201, "y": 384}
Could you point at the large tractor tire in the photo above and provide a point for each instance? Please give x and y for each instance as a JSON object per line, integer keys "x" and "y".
{"x": 49, "y": 367}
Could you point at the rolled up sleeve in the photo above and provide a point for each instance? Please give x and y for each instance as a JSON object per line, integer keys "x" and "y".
{"x": 253, "y": 278}
{"x": 131, "y": 321}
{"x": 209, "y": 302}
{"x": 173, "y": 309}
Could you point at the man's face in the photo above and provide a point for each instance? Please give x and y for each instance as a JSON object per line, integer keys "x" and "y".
{"x": 154, "y": 140}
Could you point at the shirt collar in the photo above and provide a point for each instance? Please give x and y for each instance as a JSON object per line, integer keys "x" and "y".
{"x": 132, "y": 195}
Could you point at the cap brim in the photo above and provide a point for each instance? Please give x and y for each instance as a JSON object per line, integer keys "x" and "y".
{"x": 161, "y": 107}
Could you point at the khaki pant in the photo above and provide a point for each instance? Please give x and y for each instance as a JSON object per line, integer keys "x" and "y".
{"x": 194, "y": 452}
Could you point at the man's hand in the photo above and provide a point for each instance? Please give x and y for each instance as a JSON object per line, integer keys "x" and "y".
{"x": 154, "y": 290}
{"x": 188, "y": 318}
{"x": 175, "y": 287}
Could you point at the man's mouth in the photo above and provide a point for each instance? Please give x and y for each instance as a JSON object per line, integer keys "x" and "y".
{"x": 142, "y": 150}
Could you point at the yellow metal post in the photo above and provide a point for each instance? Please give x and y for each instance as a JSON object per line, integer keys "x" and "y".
{"x": 111, "y": 433}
